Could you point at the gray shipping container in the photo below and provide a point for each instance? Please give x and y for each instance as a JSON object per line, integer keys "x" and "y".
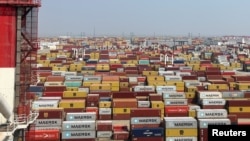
{"x": 145, "y": 120}
{"x": 78, "y": 125}
{"x": 213, "y": 101}
{"x": 185, "y": 122}
{"x": 48, "y": 122}
{"x": 81, "y": 116}
{"x": 143, "y": 104}
{"x": 104, "y": 134}
{"x": 233, "y": 94}
{"x": 78, "y": 134}
{"x": 174, "y": 95}
{"x": 203, "y": 123}
{"x": 181, "y": 139}
{"x": 172, "y": 102}
{"x": 211, "y": 113}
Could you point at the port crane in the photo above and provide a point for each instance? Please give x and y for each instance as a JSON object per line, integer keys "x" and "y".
{"x": 18, "y": 47}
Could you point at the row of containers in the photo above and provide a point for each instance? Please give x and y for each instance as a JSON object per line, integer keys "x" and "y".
{"x": 142, "y": 127}
{"x": 146, "y": 123}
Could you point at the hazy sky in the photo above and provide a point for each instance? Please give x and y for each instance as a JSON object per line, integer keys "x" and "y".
{"x": 144, "y": 17}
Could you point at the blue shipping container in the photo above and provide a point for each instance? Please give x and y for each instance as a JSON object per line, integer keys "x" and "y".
{"x": 147, "y": 132}
{"x": 36, "y": 89}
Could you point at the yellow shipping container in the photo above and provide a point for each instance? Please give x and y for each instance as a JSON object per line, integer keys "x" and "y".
{"x": 218, "y": 87}
{"x": 132, "y": 62}
{"x": 129, "y": 65}
{"x": 74, "y": 94}
{"x": 105, "y": 104}
{"x": 192, "y": 113}
{"x": 72, "y": 103}
{"x": 72, "y": 88}
{"x": 243, "y": 86}
{"x": 114, "y": 61}
{"x": 59, "y": 69}
{"x": 176, "y": 83}
{"x": 190, "y": 94}
{"x": 157, "y": 83}
{"x": 181, "y": 132}
{"x": 190, "y": 89}
{"x": 89, "y": 83}
{"x": 150, "y": 73}
{"x": 155, "y": 78}
{"x": 157, "y": 104}
{"x": 121, "y": 110}
{"x": 112, "y": 83}
{"x": 43, "y": 61}
{"x": 239, "y": 110}
{"x": 102, "y": 68}
{"x": 89, "y": 72}
{"x": 123, "y": 84}
{"x": 115, "y": 89}
{"x": 100, "y": 87}
{"x": 232, "y": 85}
{"x": 42, "y": 79}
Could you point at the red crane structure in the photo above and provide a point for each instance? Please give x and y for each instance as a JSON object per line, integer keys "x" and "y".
{"x": 18, "y": 47}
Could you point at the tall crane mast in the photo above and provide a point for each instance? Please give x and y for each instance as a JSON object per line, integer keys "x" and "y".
{"x": 18, "y": 46}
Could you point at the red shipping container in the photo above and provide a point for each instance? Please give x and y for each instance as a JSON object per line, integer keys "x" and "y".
{"x": 155, "y": 97}
{"x": 121, "y": 116}
{"x": 93, "y": 109}
{"x": 124, "y": 102}
{"x": 123, "y": 95}
{"x": 120, "y": 135}
{"x": 55, "y": 79}
{"x": 92, "y": 97}
{"x": 92, "y": 103}
{"x": 105, "y": 117}
{"x": 55, "y": 113}
{"x": 143, "y": 93}
{"x": 104, "y": 125}
{"x": 43, "y": 135}
{"x": 53, "y": 94}
{"x": 73, "y": 110}
{"x": 54, "y": 88}
{"x": 233, "y": 118}
{"x": 145, "y": 112}
{"x": 136, "y": 126}
{"x": 235, "y": 102}
{"x": 176, "y": 111}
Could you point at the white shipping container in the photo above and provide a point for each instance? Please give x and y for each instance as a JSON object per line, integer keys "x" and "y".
{"x": 203, "y": 123}
{"x": 104, "y": 134}
{"x": 213, "y": 101}
{"x": 78, "y": 125}
{"x": 144, "y": 88}
{"x": 172, "y": 102}
{"x": 69, "y": 73}
{"x": 145, "y": 120}
{"x": 78, "y": 134}
{"x": 83, "y": 90}
{"x": 53, "y": 84}
{"x": 165, "y": 88}
{"x": 181, "y": 139}
{"x": 77, "y": 78}
{"x": 92, "y": 78}
{"x": 81, "y": 116}
{"x": 209, "y": 95}
{"x": 211, "y": 113}
{"x": 172, "y": 78}
{"x": 46, "y": 128}
{"x": 48, "y": 122}
{"x": 164, "y": 73}
{"x": 184, "y": 122}
{"x": 105, "y": 111}
{"x": 182, "y": 73}
{"x": 45, "y": 104}
{"x": 143, "y": 104}
{"x": 58, "y": 73}
{"x": 174, "y": 95}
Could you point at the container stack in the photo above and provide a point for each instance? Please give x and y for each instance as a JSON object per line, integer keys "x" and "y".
{"x": 122, "y": 106}
{"x": 104, "y": 130}
{"x": 176, "y": 104}
{"x": 181, "y": 128}
{"x": 145, "y": 126}
{"x": 209, "y": 117}
{"x": 79, "y": 126}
